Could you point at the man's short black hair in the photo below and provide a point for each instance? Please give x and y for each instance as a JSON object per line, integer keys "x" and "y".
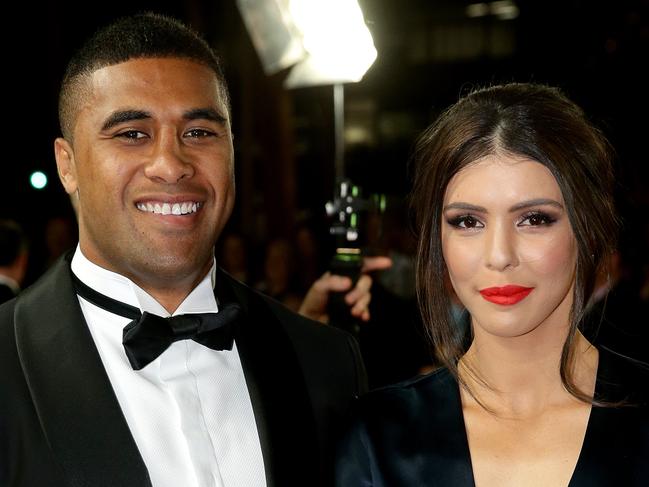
{"x": 145, "y": 35}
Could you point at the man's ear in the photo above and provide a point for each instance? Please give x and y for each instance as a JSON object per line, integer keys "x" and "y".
{"x": 66, "y": 165}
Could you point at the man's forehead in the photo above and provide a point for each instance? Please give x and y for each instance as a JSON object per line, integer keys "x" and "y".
{"x": 161, "y": 81}
{"x": 149, "y": 69}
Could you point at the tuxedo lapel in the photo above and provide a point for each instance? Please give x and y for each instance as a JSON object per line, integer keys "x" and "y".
{"x": 278, "y": 392}
{"x": 76, "y": 405}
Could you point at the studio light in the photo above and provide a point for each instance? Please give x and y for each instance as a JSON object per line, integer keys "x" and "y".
{"x": 324, "y": 42}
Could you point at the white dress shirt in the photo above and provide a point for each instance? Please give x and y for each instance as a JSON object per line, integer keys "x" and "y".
{"x": 189, "y": 410}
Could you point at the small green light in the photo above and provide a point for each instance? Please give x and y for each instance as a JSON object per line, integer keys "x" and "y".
{"x": 352, "y": 220}
{"x": 354, "y": 191}
{"x": 38, "y": 180}
{"x": 348, "y": 257}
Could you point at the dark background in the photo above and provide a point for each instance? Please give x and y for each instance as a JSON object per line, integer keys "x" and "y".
{"x": 429, "y": 52}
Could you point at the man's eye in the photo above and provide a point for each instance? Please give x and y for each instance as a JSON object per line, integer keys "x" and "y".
{"x": 132, "y": 134}
{"x": 199, "y": 133}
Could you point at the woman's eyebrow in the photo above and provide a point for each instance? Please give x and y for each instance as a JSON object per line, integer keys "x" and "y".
{"x": 460, "y": 205}
{"x": 535, "y": 202}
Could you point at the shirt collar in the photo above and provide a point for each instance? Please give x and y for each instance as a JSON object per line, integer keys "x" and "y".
{"x": 200, "y": 300}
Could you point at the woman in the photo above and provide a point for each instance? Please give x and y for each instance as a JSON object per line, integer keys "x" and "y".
{"x": 513, "y": 200}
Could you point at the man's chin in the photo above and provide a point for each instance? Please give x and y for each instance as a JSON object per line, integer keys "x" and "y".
{"x": 171, "y": 268}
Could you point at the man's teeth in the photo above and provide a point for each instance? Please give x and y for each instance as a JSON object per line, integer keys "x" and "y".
{"x": 169, "y": 209}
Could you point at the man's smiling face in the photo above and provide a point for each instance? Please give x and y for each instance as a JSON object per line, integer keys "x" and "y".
{"x": 152, "y": 161}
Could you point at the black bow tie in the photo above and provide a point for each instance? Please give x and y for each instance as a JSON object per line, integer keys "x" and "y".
{"x": 148, "y": 335}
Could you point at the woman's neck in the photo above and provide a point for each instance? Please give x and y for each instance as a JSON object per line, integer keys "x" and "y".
{"x": 520, "y": 376}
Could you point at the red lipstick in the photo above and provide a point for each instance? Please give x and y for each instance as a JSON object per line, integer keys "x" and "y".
{"x": 506, "y": 295}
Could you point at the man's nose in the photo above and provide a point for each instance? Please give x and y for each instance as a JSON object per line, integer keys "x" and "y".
{"x": 168, "y": 164}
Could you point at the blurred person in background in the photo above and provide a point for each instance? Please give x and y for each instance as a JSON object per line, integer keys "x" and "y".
{"x": 233, "y": 256}
{"x": 279, "y": 280}
{"x": 14, "y": 253}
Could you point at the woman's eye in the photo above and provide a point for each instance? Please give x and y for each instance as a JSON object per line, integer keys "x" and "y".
{"x": 536, "y": 219}
{"x": 466, "y": 221}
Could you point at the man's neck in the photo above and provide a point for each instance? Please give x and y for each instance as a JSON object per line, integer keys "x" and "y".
{"x": 170, "y": 297}
{"x": 167, "y": 294}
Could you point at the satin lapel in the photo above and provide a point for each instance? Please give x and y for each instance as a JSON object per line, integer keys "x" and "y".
{"x": 444, "y": 434}
{"x": 612, "y": 452}
{"x": 460, "y": 472}
{"x": 75, "y": 402}
{"x": 279, "y": 396}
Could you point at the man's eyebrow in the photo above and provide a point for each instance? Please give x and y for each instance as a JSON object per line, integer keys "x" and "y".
{"x": 122, "y": 116}
{"x": 204, "y": 114}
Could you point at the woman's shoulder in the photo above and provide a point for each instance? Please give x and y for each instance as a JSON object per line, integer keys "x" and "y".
{"x": 622, "y": 379}
{"x": 428, "y": 394}
{"x": 409, "y": 433}
{"x": 439, "y": 380}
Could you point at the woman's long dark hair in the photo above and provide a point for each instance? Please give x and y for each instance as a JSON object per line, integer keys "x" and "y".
{"x": 537, "y": 122}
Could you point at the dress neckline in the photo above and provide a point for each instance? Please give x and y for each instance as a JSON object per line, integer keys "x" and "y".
{"x": 584, "y": 452}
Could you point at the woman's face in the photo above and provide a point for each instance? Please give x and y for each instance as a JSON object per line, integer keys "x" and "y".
{"x": 508, "y": 246}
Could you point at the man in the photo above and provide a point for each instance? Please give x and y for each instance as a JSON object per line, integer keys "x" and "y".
{"x": 13, "y": 259}
{"x": 244, "y": 393}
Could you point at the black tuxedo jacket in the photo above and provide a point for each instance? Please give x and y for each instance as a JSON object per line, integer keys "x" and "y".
{"x": 61, "y": 424}
{"x": 413, "y": 434}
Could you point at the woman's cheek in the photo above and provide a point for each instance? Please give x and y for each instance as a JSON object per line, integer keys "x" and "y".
{"x": 462, "y": 257}
{"x": 552, "y": 257}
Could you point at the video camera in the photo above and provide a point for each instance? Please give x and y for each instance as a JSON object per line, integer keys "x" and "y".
{"x": 349, "y": 213}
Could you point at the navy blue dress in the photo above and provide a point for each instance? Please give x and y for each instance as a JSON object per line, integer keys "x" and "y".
{"x": 413, "y": 435}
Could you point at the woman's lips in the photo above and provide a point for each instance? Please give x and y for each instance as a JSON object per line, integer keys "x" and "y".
{"x": 506, "y": 295}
